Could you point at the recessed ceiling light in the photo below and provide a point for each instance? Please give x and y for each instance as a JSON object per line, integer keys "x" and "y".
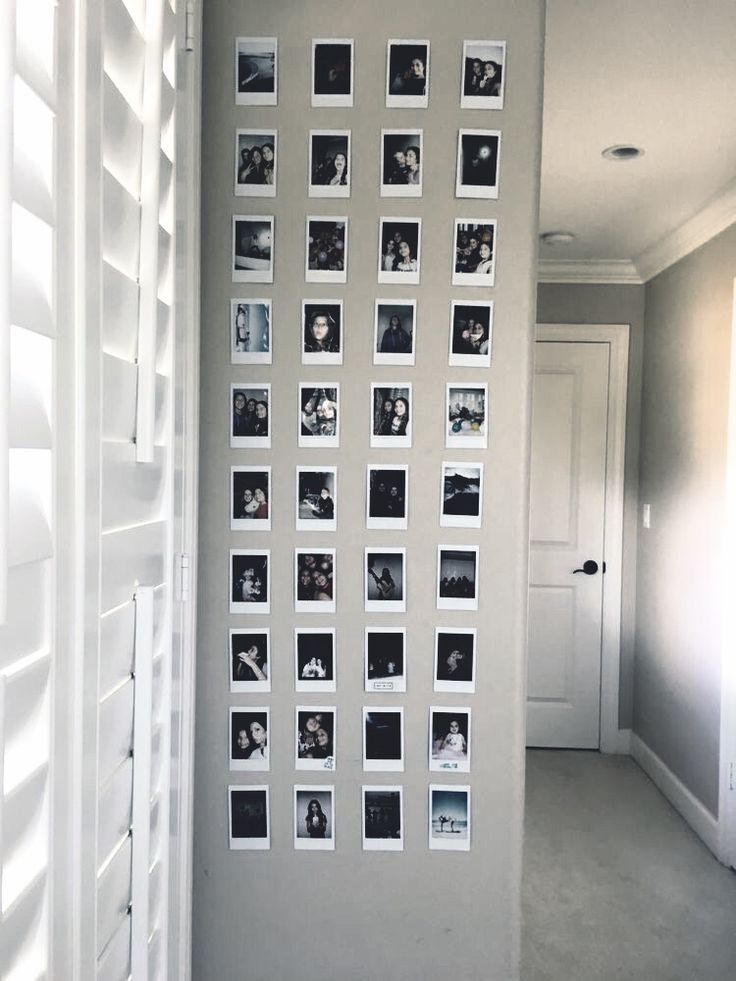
{"x": 622, "y": 151}
{"x": 557, "y": 238}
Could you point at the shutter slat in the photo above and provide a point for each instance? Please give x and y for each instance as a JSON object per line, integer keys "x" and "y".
{"x": 114, "y": 962}
{"x": 131, "y": 555}
{"x": 36, "y": 46}
{"x": 25, "y": 629}
{"x": 166, "y": 193}
{"x": 29, "y": 537}
{"x": 120, "y": 303}
{"x": 155, "y": 895}
{"x": 120, "y": 227}
{"x": 165, "y": 267}
{"x": 114, "y": 815}
{"x": 25, "y": 835}
{"x": 31, "y": 387}
{"x": 117, "y": 637}
{"x": 120, "y": 379}
{"x": 122, "y": 135}
{"x": 116, "y": 724}
{"x": 32, "y": 272}
{"x": 33, "y": 147}
{"x": 113, "y": 896}
{"x": 163, "y": 329}
{"x": 124, "y": 52}
{"x": 25, "y": 925}
{"x": 131, "y": 493}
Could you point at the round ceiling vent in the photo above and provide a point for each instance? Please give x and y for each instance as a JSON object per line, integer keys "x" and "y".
{"x": 622, "y": 151}
{"x": 557, "y": 238}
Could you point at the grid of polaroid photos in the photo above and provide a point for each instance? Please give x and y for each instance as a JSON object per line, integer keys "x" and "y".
{"x": 395, "y": 321}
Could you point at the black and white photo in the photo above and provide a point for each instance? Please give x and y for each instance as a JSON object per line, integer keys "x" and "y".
{"x": 383, "y": 819}
{"x": 250, "y": 417}
{"x": 461, "y": 495}
{"x": 316, "y": 498}
{"x": 250, "y": 332}
{"x": 248, "y": 818}
{"x": 256, "y": 160}
{"x": 253, "y": 240}
{"x": 399, "y": 250}
{"x": 395, "y": 331}
{"x": 474, "y": 253}
{"x": 314, "y": 818}
{"x": 250, "y": 498}
{"x": 478, "y": 163}
{"x": 449, "y": 817}
{"x": 385, "y": 580}
{"x": 466, "y": 415}
{"x": 387, "y": 496}
{"x": 407, "y": 74}
{"x": 332, "y": 71}
{"x": 314, "y": 580}
{"x": 402, "y": 157}
{"x": 390, "y": 414}
{"x": 483, "y": 75}
{"x": 471, "y": 328}
{"x": 329, "y": 163}
{"x": 385, "y": 659}
{"x": 315, "y": 737}
{"x": 250, "y": 580}
{"x": 454, "y": 659}
{"x": 314, "y": 659}
{"x": 249, "y": 660}
{"x": 249, "y": 738}
{"x": 322, "y": 332}
{"x": 457, "y": 577}
{"x": 383, "y": 738}
{"x": 319, "y": 414}
{"x": 326, "y": 249}
{"x": 449, "y": 739}
{"x": 256, "y": 68}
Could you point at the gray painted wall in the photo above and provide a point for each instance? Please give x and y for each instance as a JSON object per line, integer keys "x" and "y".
{"x": 569, "y": 303}
{"x": 282, "y": 914}
{"x": 677, "y": 683}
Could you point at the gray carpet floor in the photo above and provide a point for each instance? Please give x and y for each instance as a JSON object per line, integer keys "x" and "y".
{"x": 616, "y": 886}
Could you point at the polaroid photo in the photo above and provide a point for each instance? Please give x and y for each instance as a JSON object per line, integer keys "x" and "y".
{"x": 326, "y": 259}
{"x": 315, "y": 737}
{"x": 457, "y": 577}
{"x": 248, "y": 818}
{"x": 385, "y": 659}
{"x": 383, "y": 738}
{"x": 249, "y": 738}
{"x": 256, "y": 71}
{"x": 250, "y": 580}
{"x": 383, "y": 819}
{"x": 394, "y": 331}
{"x": 466, "y": 415}
{"x": 250, "y": 332}
{"x": 253, "y": 237}
{"x": 319, "y": 419}
{"x": 449, "y": 739}
{"x": 249, "y": 660}
{"x": 385, "y": 580}
{"x": 387, "y": 496}
{"x": 461, "y": 495}
{"x": 316, "y": 498}
{"x": 314, "y": 818}
{"x": 250, "y": 498}
{"x": 399, "y": 248}
{"x": 402, "y": 153}
{"x": 256, "y": 157}
{"x": 454, "y": 659}
{"x": 322, "y": 332}
{"x": 390, "y": 414}
{"x": 483, "y": 75}
{"x": 449, "y": 817}
{"x": 314, "y": 580}
{"x": 471, "y": 331}
{"x": 329, "y": 163}
{"x": 474, "y": 252}
{"x": 332, "y": 71}
{"x": 250, "y": 423}
{"x": 407, "y": 74}
{"x": 315, "y": 665}
{"x": 478, "y": 163}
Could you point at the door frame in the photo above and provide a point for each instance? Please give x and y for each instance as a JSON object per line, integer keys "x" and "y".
{"x": 612, "y": 739}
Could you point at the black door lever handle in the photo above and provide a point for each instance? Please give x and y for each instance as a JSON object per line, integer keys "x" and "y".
{"x": 590, "y": 567}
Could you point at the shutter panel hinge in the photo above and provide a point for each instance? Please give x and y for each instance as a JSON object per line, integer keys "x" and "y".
{"x": 189, "y": 26}
{"x": 184, "y": 578}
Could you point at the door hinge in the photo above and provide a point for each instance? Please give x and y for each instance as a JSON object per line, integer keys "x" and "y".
{"x": 189, "y": 26}
{"x": 184, "y": 578}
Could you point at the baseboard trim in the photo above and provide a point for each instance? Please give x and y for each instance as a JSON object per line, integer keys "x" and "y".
{"x": 700, "y": 819}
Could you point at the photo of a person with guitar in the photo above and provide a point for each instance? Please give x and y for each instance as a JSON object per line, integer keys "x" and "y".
{"x": 385, "y": 580}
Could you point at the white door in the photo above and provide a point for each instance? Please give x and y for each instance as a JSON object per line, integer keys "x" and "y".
{"x": 568, "y": 473}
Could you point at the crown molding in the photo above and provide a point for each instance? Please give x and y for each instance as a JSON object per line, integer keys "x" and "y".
{"x": 714, "y": 218}
{"x": 612, "y": 271}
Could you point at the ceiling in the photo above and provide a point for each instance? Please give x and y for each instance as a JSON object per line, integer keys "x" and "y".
{"x": 660, "y": 74}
